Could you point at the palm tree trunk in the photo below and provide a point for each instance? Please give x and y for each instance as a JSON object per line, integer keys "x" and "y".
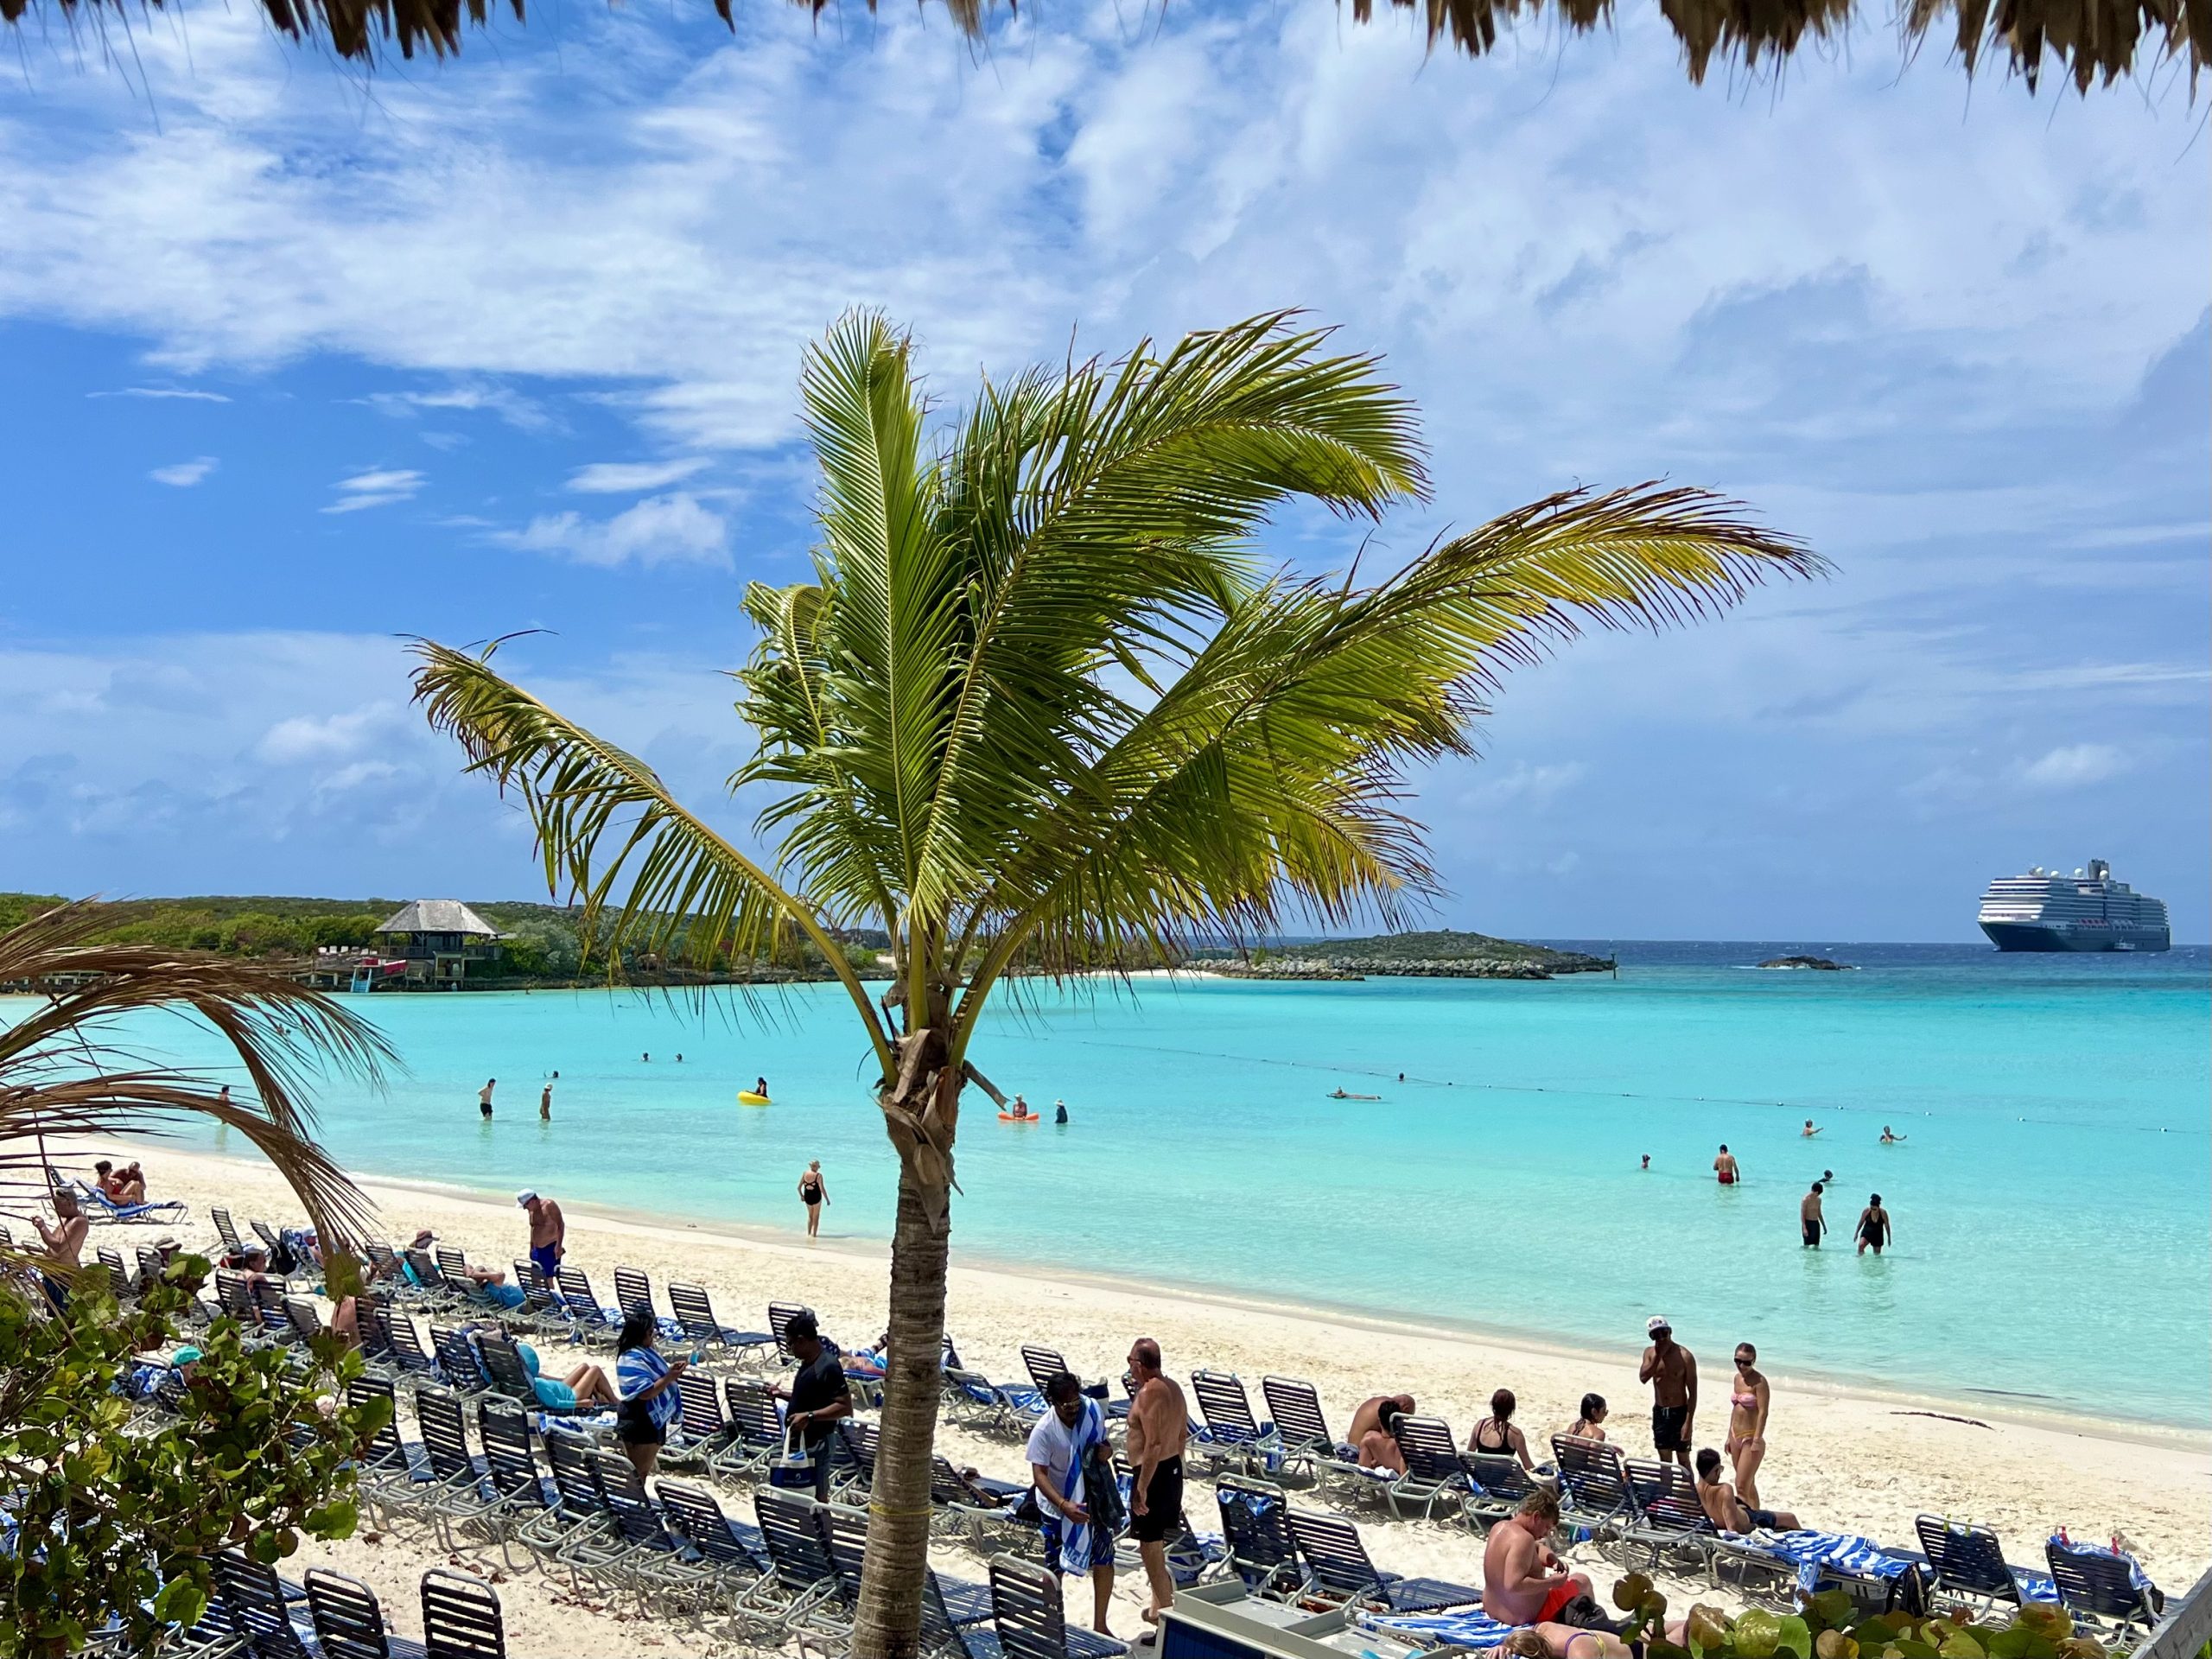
{"x": 889, "y": 1625}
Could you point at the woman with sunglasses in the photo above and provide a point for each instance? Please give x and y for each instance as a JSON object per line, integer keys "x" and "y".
{"x": 1750, "y": 1400}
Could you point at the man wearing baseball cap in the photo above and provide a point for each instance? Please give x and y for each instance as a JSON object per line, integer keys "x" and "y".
{"x": 548, "y": 1232}
{"x": 1671, "y": 1369}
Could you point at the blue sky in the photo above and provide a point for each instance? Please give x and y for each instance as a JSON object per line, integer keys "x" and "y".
{"x": 295, "y": 362}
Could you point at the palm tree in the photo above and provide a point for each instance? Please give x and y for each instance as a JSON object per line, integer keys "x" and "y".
{"x": 66, "y": 1069}
{"x": 1040, "y": 707}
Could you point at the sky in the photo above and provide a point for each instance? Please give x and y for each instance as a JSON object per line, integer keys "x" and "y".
{"x": 297, "y": 362}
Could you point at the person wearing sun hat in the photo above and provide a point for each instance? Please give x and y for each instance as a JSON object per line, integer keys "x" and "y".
{"x": 1671, "y": 1369}
{"x": 548, "y": 1232}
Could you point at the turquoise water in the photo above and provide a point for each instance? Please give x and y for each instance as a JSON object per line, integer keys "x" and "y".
{"x": 2051, "y": 1203}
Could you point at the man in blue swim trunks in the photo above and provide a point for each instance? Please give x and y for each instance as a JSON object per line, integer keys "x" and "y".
{"x": 548, "y": 1232}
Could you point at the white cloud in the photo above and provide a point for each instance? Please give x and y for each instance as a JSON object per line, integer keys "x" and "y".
{"x": 2073, "y": 765}
{"x": 304, "y": 737}
{"x": 660, "y": 530}
{"x": 1523, "y": 782}
{"x": 185, "y": 473}
{"x": 375, "y": 489}
{"x": 185, "y": 393}
{"x": 631, "y": 477}
{"x": 523, "y": 413}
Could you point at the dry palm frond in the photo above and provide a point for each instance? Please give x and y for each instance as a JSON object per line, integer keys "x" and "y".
{"x": 66, "y": 1071}
{"x": 2090, "y": 39}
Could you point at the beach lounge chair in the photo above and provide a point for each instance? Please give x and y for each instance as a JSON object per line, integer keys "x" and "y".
{"x": 705, "y": 1428}
{"x": 461, "y": 1618}
{"x": 695, "y": 1317}
{"x": 2103, "y": 1586}
{"x": 734, "y": 1554}
{"x": 1433, "y": 1475}
{"x": 1496, "y": 1484}
{"x": 973, "y": 1398}
{"x": 974, "y": 1507}
{"x": 1339, "y": 1569}
{"x": 637, "y": 1556}
{"x": 407, "y": 1348}
{"x": 540, "y": 1308}
{"x": 252, "y": 1609}
{"x": 1231, "y": 1438}
{"x": 458, "y": 1362}
{"x": 757, "y": 1417}
{"x": 1309, "y": 1448}
{"x": 96, "y": 1205}
{"x": 304, "y": 1319}
{"x": 1029, "y": 1620}
{"x": 1875, "y": 1580}
{"x": 800, "y": 1588}
{"x": 1671, "y": 1525}
{"x": 1967, "y": 1564}
{"x": 634, "y": 1289}
{"x": 460, "y": 1495}
{"x": 117, "y": 1275}
{"x": 272, "y": 1240}
{"x": 780, "y": 1315}
{"x": 1254, "y": 1523}
{"x": 594, "y": 1320}
{"x": 391, "y": 1474}
{"x": 227, "y": 1230}
{"x": 511, "y": 1468}
{"x": 1594, "y": 1491}
{"x": 1040, "y": 1362}
{"x": 348, "y": 1620}
{"x": 844, "y": 1534}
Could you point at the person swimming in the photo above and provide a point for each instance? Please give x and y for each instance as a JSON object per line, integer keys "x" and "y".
{"x": 1890, "y": 1137}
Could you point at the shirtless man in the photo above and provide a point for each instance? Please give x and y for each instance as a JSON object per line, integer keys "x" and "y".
{"x": 1724, "y": 1166}
{"x": 65, "y": 1246}
{"x": 545, "y": 1102}
{"x": 1159, "y": 1423}
{"x": 1811, "y": 1222}
{"x": 1727, "y": 1511}
{"x": 1525, "y": 1583}
{"x": 1368, "y": 1417}
{"x": 483, "y": 1097}
{"x": 1873, "y": 1225}
{"x": 1378, "y": 1446}
{"x": 1671, "y": 1369}
{"x": 548, "y": 1232}
{"x": 1809, "y": 1131}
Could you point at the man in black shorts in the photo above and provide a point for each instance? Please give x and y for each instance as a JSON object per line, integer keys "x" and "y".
{"x": 1159, "y": 1424}
{"x": 819, "y": 1394}
{"x": 1671, "y": 1369}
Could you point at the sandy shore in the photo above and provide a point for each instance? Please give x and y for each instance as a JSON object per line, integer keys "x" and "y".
{"x": 1842, "y": 1459}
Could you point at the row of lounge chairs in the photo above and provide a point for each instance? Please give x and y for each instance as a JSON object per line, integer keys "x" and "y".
{"x": 672, "y": 1551}
{"x": 257, "y": 1615}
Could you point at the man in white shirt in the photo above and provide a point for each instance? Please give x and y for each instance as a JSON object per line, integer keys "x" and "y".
{"x": 1073, "y": 1543}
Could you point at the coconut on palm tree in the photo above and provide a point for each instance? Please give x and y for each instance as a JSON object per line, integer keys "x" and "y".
{"x": 1043, "y": 707}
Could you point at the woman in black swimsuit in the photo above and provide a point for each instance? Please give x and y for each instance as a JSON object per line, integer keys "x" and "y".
{"x": 1495, "y": 1433}
{"x": 813, "y": 1192}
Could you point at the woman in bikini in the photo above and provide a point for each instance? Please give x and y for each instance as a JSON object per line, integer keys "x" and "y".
{"x": 1750, "y": 1400}
{"x": 1497, "y": 1434}
{"x": 1591, "y": 1425}
{"x": 813, "y": 1192}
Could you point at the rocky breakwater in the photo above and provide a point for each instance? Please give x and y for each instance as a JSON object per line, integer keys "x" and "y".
{"x": 1442, "y": 955}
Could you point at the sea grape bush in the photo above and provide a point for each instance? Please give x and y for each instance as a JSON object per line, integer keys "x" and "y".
{"x": 111, "y": 1522}
{"x": 1828, "y": 1626}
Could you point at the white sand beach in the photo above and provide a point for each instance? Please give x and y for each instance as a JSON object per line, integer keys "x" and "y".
{"x": 1842, "y": 1459}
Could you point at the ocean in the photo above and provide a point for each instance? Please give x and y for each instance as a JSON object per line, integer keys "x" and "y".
{"x": 2051, "y": 1199}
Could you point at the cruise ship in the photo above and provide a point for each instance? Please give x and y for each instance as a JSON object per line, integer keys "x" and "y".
{"x": 2047, "y": 910}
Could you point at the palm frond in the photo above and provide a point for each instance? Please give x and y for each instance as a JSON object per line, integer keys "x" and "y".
{"x": 602, "y": 814}
{"x": 64, "y": 1071}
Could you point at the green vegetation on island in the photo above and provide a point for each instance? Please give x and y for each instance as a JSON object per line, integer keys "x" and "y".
{"x": 1436, "y": 954}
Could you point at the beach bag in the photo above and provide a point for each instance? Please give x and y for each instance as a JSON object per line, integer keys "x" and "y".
{"x": 793, "y": 1469}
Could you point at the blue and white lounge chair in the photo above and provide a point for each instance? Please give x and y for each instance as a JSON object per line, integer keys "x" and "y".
{"x": 2103, "y": 1586}
{"x": 1471, "y": 1630}
{"x": 1434, "y": 1472}
{"x": 1967, "y": 1565}
{"x": 98, "y": 1206}
{"x": 1339, "y": 1569}
{"x": 1255, "y": 1525}
{"x": 1231, "y": 1438}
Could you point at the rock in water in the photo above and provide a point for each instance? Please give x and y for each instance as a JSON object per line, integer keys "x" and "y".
{"x": 1821, "y": 963}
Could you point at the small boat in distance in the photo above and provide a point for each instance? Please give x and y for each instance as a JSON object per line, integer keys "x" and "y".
{"x": 2045, "y": 910}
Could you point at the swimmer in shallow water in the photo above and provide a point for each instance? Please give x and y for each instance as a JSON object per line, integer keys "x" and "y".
{"x": 1890, "y": 1137}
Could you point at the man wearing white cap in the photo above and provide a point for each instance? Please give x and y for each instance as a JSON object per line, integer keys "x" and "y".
{"x": 548, "y": 1232}
{"x": 1671, "y": 1369}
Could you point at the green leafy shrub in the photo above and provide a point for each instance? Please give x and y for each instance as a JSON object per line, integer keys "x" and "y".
{"x": 117, "y": 1521}
{"x": 1829, "y": 1627}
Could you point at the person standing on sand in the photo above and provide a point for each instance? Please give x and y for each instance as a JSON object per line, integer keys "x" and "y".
{"x": 1059, "y": 1450}
{"x": 1749, "y": 1403}
{"x": 1724, "y": 1166}
{"x": 813, "y": 1192}
{"x": 1873, "y": 1225}
{"x": 1810, "y": 1222}
{"x": 483, "y": 1097}
{"x": 1160, "y": 1424}
{"x": 549, "y": 1233}
{"x": 1671, "y": 1369}
{"x": 818, "y": 1395}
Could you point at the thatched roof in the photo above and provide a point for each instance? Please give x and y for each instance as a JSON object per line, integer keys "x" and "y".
{"x": 438, "y": 916}
{"x": 2088, "y": 40}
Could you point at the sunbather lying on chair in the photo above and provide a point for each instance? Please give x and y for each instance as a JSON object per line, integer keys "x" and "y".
{"x": 1729, "y": 1512}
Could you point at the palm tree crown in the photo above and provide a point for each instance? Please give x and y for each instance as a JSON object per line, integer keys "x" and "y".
{"x": 1043, "y": 704}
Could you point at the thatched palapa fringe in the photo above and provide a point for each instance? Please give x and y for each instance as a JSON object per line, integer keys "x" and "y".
{"x": 2091, "y": 40}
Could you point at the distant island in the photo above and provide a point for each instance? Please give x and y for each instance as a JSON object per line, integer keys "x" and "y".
{"x": 1819, "y": 964}
{"x": 1441, "y": 954}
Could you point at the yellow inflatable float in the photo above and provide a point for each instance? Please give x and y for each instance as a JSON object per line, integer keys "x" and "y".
{"x": 747, "y": 1098}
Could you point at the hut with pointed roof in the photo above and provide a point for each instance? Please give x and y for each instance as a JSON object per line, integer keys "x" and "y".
{"x": 441, "y": 941}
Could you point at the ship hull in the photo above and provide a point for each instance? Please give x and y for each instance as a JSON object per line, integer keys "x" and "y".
{"x": 2027, "y": 936}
